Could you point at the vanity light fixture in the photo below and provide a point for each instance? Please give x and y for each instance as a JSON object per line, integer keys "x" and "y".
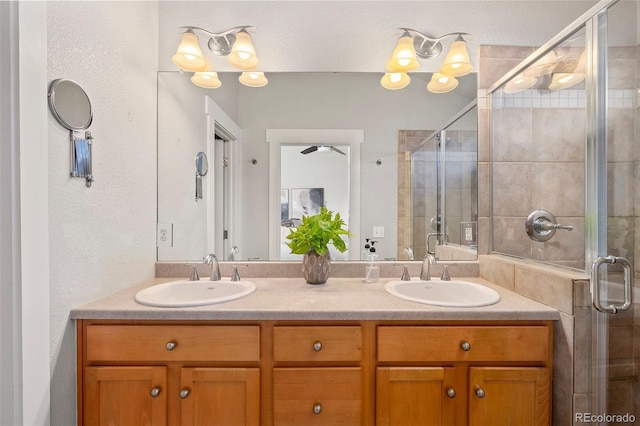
{"x": 412, "y": 45}
{"x": 234, "y": 43}
{"x": 189, "y": 57}
{"x": 566, "y": 75}
{"x": 441, "y": 83}
{"x": 253, "y": 79}
{"x": 519, "y": 83}
{"x": 395, "y": 80}
{"x": 206, "y": 79}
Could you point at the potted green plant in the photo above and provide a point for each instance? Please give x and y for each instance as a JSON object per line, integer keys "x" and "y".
{"x": 312, "y": 238}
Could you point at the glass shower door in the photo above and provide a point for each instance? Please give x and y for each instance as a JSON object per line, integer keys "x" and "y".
{"x": 613, "y": 163}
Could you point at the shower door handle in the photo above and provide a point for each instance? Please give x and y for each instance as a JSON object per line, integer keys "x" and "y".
{"x": 628, "y": 284}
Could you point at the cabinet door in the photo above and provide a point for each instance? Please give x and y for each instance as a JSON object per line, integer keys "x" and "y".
{"x": 418, "y": 396}
{"x": 125, "y": 396}
{"x": 220, "y": 396}
{"x": 518, "y": 396}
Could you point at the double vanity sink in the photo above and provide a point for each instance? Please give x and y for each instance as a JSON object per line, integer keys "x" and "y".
{"x": 185, "y": 293}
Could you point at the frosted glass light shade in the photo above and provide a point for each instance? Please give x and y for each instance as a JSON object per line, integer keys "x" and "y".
{"x": 395, "y": 80}
{"x": 519, "y": 84}
{"x": 206, "y": 79}
{"x": 441, "y": 83}
{"x": 253, "y": 79}
{"x": 243, "y": 54}
{"x": 404, "y": 56}
{"x": 564, "y": 80}
{"x": 189, "y": 57}
{"x": 456, "y": 63}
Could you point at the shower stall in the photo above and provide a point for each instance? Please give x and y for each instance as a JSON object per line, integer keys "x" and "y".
{"x": 444, "y": 189}
{"x": 565, "y": 166}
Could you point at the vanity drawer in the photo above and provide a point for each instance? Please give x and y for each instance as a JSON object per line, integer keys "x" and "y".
{"x": 463, "y": 343}
{"x": 173, "y": 343}
{"x": 317, "y": 343}
{"x": 317, "y": 396}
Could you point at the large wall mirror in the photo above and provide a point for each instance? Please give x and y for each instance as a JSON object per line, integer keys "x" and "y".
{"x": 231, "y": 125}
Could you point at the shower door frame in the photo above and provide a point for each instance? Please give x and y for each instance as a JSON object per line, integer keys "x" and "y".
{"x": 596, "y": 216}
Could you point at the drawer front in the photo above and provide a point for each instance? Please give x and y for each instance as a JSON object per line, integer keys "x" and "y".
{"x": 299, "y": 343}
{"x": 317, "y": 396}
{"x": 172, "y": 343}
{"x": 482, "y": 343}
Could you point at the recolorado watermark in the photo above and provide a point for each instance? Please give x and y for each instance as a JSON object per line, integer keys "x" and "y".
{"x": 604, "y": 418}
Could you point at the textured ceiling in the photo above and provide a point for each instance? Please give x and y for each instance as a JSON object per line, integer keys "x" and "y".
{"x": 360, "y": 35}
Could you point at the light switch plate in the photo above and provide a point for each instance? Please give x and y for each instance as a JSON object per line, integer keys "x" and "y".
{"x": 378, "y": 232}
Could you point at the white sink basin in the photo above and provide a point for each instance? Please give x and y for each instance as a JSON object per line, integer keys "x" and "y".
{"x": 454, "y": 293}
{"x": 176, "y": 294}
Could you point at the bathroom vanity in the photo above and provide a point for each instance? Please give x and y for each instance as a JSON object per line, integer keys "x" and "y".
{"x": 343, "y": 353}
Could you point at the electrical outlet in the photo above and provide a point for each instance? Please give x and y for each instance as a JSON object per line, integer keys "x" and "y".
{"x": 378, "y": 232}
{"x": 164, "y": 235}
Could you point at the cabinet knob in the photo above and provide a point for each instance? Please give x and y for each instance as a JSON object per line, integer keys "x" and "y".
{"x": 184, "y": 393}
{"x": 451, "y": 392}
{"x": 170, "y": 346}
{"x": 479, "y": 392}
{"x": 317, "y": 346}
{"x": 155, "y": 391}
{"x": 466, "y": 346}
{"x": 317, "y": 408}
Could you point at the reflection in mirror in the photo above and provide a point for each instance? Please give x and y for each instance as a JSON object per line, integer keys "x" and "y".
{"x": 202, "y": 166}
{"x": 312, "y": 177}
{"x": 291, "y": 101}
{"x": 444, "y": 217}
{"x": 70, "y": 104}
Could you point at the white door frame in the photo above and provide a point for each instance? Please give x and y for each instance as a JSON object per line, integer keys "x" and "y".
{"x": 278, "y": 137}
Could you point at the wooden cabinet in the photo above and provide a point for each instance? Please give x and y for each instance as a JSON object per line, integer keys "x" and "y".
{"x": 416, "y": 396}
{"x": 484, "y": 375}
{"x": 279, "y": 373}
{"x": 125, "y": 395}
{"x": 318, "y": 377}
{"x": 509, "y": 396}
{"x": 170, "y": 374}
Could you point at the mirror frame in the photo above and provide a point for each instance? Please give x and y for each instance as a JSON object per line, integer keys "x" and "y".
{"x": 54, "y": 99}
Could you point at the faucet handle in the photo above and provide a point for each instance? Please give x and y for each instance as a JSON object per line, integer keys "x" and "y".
{"x": 445, "y": 272}
{"x": 194, "y": 272}
{"x": 405, "y": 274}
{"x": 235, "y": 276}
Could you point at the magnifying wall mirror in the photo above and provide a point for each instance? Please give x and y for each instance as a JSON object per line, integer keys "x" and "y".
{"x": 202, "y": 167}
{"x": 70, "y": 104}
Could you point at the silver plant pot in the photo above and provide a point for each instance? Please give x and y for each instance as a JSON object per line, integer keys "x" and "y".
{"x": 316, "y": 268}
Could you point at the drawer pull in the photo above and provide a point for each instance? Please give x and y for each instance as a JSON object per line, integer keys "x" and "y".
{"x": 479, "y": 392}
{"x": 466, "y": 346}
{"x": 155, "y": 391}
{"x": 184, "y": 393}
{"x": 317, "y": 346}
{"x": 170, "y": 346}
{"x": 317, "y": 408}
{"x": 451, "y": 393}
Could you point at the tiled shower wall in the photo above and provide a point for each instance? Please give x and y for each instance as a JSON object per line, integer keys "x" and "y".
{"x": 416, "y": 194}
{"x": 540, "y": 112}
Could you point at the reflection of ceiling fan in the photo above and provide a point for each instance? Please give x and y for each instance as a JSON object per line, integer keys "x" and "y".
{"x": 321, "y": 148}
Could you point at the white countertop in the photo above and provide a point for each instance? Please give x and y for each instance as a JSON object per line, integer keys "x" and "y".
{"x": 293, "y": 299}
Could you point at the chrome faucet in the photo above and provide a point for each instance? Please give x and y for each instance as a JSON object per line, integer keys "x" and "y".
{"x": 425, "y": 272}
{"x": 212, "y": 260}
{"x": 408, "y": 251}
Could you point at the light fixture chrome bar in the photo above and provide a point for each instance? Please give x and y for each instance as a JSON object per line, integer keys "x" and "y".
{"x": 428, "y": 47}
{"x": 222, "y": 42}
